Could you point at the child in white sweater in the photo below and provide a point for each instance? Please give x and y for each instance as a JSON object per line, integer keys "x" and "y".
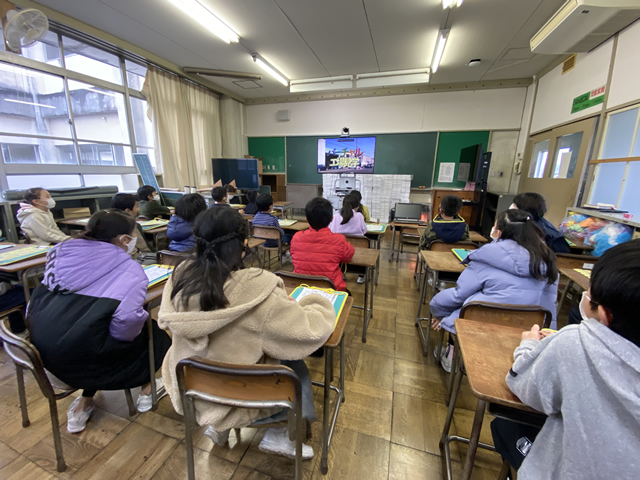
{"x": 36, "y": 219}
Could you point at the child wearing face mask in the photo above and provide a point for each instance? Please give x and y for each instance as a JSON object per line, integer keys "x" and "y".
{"x": 149, "y": 202}
{"x": 87, "y": 319}
{"x": 36, "y": 219}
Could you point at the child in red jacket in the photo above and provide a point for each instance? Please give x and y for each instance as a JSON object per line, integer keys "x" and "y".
{"x": 318, "y": 251}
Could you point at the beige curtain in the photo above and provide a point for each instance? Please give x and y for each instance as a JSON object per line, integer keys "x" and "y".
{"x": 186, "y": 124}
{"x": 234, "y": 140}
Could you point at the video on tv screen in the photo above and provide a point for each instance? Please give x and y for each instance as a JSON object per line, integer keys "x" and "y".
{"x": 346, "y": 155}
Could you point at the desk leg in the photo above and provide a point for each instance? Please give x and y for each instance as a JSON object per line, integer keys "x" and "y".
{"x": 368, "y": 303}
{"x": 393, "y": 242}
{"x": 564, "y": 295}
{"x": 419, "y": 319}
{"x": 474, "y": 439}
{"x": 446, "y": 438}
{"x": 152, "y": 364}
{"x": 326, "y": 411}
{"x": 342, "y": 370}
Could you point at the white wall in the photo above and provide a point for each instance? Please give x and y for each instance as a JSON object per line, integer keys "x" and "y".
{"x": 625, "y": 82}
{"x": 556, "y": 91}
{"x": 439, "y": 111}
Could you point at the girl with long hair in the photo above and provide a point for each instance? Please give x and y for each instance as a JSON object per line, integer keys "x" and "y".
{"x": 349, "y": 221}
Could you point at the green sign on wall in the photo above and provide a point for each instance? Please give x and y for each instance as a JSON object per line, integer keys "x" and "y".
{"x": 588, "y": 100}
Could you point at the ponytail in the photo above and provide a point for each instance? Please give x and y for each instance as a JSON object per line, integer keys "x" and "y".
{"x": 348, "y": 205}
{"x": 518, "y": 225}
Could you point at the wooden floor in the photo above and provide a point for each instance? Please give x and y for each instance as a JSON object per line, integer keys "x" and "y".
{"x": 388, "y": 428}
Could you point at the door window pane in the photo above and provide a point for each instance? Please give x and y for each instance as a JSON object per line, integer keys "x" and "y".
{"x": 32, "y": 103}
{"x": 608, "y": 182}
{"x": 99, "y": 114}
{"x": 22, "y": 182}
{"x": 630, "y": 199}
{"x": 37, "y": 150}
{"x": 619, "y": 136}
{"x": 105, "y": 155}
{"x": 83, "y": 58}
{"x": 141, "y": 124}
{"x": 135, "y": 75}
{"x": 539, "y": 159}
{"x": 567, "y": 156}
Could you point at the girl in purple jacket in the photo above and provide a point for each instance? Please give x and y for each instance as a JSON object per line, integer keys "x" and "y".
{"x": 87, "y": 318}
{"x": 348, "y": 221}
{"x": 516, "y": 268}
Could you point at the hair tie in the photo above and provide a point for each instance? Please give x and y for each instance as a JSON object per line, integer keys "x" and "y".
{"x": 209, "y": 245}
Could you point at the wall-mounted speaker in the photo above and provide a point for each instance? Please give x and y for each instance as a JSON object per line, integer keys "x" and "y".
{"x": 283, "y": 115}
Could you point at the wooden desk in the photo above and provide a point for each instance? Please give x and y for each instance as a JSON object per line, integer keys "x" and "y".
{"x": 151, "y": 301}
{"x": 578, "y": 246}
{"x": 436, "y": 262}
{"x": 574, "y": 277}
{"x": 399, "y": 226}
{"x": 297, "y": 227}
{"x": 283, "y": 206}
{"x": 375, "y": 238}
{"x": 487, "y": 351}
{"x": 74, "y": 222}
{"x": 330, "y": 417}
{"x": 25, "y": 270}
{"x": 368, "y": 258}
{"x": 473, "y": 236}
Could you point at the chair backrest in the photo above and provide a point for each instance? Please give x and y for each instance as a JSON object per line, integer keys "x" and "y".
{"x": 27, "y": 356}
{"x": 440, "y": 246}
{"x": 27, "y": 238}
{"x": 358, "y": 241}
{"x": 245, "y": 386}
{"x": 172, "y": 258}
{"x": 568, "y": 260}
{"x": 293, "y": 280}
{"x": 265, "y": 231}
{"x": 518, "y": 316}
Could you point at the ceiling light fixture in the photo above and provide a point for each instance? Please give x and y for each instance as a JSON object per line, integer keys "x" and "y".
{"x": 437, "y": 55}
{"x": 204, "y": 17}
{"x": 270, "y": 70}
{"x": 474, "y": 63}
{"x": 28, "y": 103}
{"x": 320, "y": 84}
{"x": 222, "y": 73}
{"x": 388, "y": 79}
{"x": 451, "y": 3}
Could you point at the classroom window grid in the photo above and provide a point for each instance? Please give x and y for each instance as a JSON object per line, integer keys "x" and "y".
{"x": 65, "y": 103}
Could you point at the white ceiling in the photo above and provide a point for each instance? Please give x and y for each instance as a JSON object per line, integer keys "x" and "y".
{"x": 316, "y": 38}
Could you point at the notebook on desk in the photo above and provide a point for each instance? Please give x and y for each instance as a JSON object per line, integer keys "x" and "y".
{"x": 157, "y": 273}
{"x": 337, "y": 299}
{"x": 13, "y": 256}
{"x": 151, "y": 224}
{"x": 374, "y": 228}
{"x": 582, "y": 271}
{"x": 461, "y": 253}
{"x": 286, "y": 223}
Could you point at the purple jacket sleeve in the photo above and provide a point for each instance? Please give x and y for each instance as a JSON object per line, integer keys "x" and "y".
{"x": 448, "y": 301}
{"x": 361, "y": 224}
{"x": 129, "y": 317}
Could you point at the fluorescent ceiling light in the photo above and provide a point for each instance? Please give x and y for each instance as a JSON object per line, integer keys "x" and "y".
{"x": 437, "y": 55}
{"x": 204, "y": 17}
{"x": 320, "y": 84}
{"x": 451, "y": 3}
{"x": 270, "y": 70}
{"x": 28, "y": 103}
{"x": 388, "y": 79}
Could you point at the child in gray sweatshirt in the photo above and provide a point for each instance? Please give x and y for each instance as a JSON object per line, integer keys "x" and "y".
{"x": 586, "y": 378}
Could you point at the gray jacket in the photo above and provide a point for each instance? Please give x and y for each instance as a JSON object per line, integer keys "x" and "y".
{"x": 587, "y": 379}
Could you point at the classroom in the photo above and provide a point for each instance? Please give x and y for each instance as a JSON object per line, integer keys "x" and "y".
{"x": 357, "y": 239}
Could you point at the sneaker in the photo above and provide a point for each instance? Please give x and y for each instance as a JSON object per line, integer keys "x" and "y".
{"x": 276, "y": 440}
{"x": 361, "y": 279}
{"x": 145, "y": 402}
{"x": 77, "y": 421}
{"x": 219, "y": 438}
{"x": 286, "y": 257}
{"x": 447, "y": 358}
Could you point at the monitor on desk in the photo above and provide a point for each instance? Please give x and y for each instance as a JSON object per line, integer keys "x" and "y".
{"x": 243, "y": 170}
{"x": 408, "y": 211}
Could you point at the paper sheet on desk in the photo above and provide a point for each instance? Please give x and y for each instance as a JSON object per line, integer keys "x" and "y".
{"x": 157, "y": 273}
{"x": 337, "y": 299}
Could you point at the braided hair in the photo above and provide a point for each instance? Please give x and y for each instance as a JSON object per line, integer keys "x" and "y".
{"x": 220, "y": 234}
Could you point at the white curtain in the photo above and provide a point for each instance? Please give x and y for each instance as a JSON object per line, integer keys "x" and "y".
{"x": 186, "y": 124}
{"x": 234, "y": 140}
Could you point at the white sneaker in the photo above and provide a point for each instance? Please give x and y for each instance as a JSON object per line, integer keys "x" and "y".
{"x": 219, "y": 438}
{"x": 286, "y": 257}
{"x": 145, "y": 402}
{"x": 447, "y": 358}
{"x": 361, "y": 279}
{"x": 77, "y": 421}
{"x": 276, "y": 440}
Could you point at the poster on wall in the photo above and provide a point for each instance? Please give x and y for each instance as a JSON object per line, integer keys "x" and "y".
{"x": 588, "y": 100}
{"x": 446, "y": 171}
{"x": 463, "y": 172}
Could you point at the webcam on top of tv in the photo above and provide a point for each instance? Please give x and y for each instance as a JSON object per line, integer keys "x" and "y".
{"x": 345, "y": 132}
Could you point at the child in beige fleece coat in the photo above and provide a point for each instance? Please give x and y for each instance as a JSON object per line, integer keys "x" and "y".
{"x": 217, "y": 310}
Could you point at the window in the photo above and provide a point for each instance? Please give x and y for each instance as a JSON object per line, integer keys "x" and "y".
{"x": 567, "y": 156}
{"x": 141, "y": 124}
{"x": 539, "y": 159}
{"x": 106, "y": 155}
{"x": 22, "y": 182}
{"x": 20, "y": 153}
{"x": 135, "y": 75}
{"x": 37, "y": 150}
{"x": 92, "y": 61}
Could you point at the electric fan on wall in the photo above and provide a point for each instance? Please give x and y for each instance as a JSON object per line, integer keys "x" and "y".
{"x": 25, "y": 28}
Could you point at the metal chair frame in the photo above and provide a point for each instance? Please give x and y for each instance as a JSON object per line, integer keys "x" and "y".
{"x": 267, "y": 232}
{"x": 293, "y": 280}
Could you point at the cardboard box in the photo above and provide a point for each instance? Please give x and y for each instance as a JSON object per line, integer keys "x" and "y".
{"x": 76, "y": 212}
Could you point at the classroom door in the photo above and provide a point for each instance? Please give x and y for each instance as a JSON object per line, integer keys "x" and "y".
{"x": 555, "y": 164}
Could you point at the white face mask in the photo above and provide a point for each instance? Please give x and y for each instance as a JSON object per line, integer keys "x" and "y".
{"x": 50, "y": 203}
{"x": 585, "y": 298}
{"x": 131, "y": 245}
{"x": 493, "y": 234}
{"x": 156, "y": 198}
{"x": 513, "y": 207}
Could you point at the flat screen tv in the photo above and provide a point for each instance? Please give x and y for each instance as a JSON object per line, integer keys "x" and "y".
{"x": 243, "y": 170}
{"x": 346, "y": 155}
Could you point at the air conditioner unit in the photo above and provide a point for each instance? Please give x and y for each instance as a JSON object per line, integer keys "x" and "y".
{"x": 582, "y": 25}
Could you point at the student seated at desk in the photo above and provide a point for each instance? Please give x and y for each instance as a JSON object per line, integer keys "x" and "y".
{"x": 219, "y": 196}
{"x": 251, "y": 208}
{"x": 232, "y": 196}
{"x": 348, "y": 221}
{"x": 517, "y": 268}
{"x": 585, "y": 378}
{"x": 128, "y": 204}
{"x": 361, "y": 208}
{"x": 217, "y": 309}
{"x": 180, "y": 227}
{"x": 318, "y": 251}
{"x": 87, "y": 319}
{"x": 447, "y": 226}
{"x": 36, "y": 219}
{"x": 534, "y": 204}
{"x": 264, "y": 217}
{"x": 149, "y": 201}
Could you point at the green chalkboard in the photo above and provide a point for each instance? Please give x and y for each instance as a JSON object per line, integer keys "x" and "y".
{"x": 450, "y": 146}
{"x": 272, "y": 152}
{"x": 397, "y": 154}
